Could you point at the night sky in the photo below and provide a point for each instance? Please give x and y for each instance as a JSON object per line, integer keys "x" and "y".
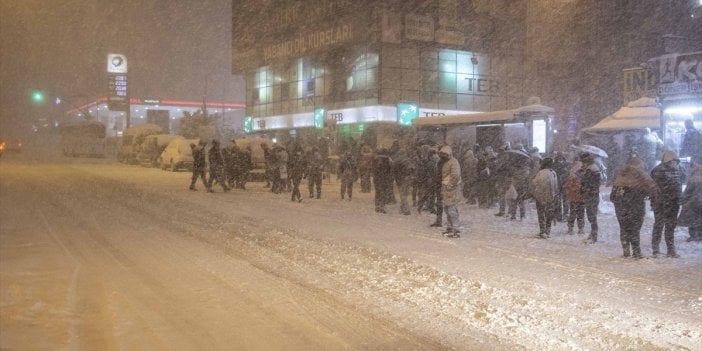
{"x": 175, "y": 50}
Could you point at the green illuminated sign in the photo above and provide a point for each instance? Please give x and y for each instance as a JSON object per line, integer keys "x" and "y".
{"x": 37, "y": 96}
{"x": 248, "y": 125}
{"x": 406, "y": 112}
{"x": 319, "y": 117}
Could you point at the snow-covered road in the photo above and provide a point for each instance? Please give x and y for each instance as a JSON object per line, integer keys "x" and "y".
{"x": 99, "y": 255}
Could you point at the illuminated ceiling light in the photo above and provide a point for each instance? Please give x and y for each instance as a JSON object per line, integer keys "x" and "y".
{"x": 683, "y": 110}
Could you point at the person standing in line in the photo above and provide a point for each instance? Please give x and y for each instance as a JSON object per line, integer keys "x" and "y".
{"x": 692, "y": 143}
{"x": 347, "y": 174}
{"x": 502, "y": 179}
{"x": 590, "y": 192}
{"x": 382, "y": 179}
{"x": 573, "y": 192}
{"x": 470, "y": 176}
{"x": 198, "y": 152}
{"x": 315, "y": 166}
{"x": 404, "y": 173}
{"x": 216, "y": 167}
{"x": 560, "y": 166}
{"x": 544, "y": 189}
{"x": 451, "y": 191}
{"x": 666, "y": 204}
{"x": 691, "y": 212}
{"x": 268, "y": 157}
{"x": 426, "y": 174}
{"x": 297, "y": 172}
{"x": 630, "y": 188}
{"x": 439, "y": 200}
{"x": 365, "y": 167}
{"x": 520, "y": 171}
{"x": 281, "y": 168}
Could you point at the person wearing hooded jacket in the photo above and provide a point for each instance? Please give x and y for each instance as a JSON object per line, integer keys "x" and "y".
{"x": 451, "y": 191}
{"x": 544, "y": 189}
{"x": 629, "y": 191}
{"x": 666, "y": 204}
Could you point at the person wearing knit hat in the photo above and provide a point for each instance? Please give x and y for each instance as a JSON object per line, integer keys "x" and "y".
{"x": 666, "y": 205}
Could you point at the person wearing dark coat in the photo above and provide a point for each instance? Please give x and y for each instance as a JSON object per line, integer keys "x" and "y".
{"x": 666, "y": 205}
{"x": 692, "y": 143}
{"x": 365, "y": 167}
{"x": 560, "y": 166}
{"x": 347, "y": 174}
{"x": 198, "y": 152}
{"x": 214, "y": 155}
{"x": 630, "y": 188}
{"x": 691, "y": 212}
{"x": 298, "y": 165}
{"x": 382, "y": 179}
{"x": 590, "y": 192}
{"x": 245, "y": 167}
{"x": 315, "y": 168}
{"x": 426, "y": 179}
{"x": 403, "y": 171}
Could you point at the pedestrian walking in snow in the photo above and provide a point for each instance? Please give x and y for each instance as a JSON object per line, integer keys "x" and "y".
{"x": 198, "y": 152}
{"x": 298, "y": 165}
{"x": 666, "y": 205}
{"x": 630, "y": 188}
{"x": 214, "y": 155}
{"x": 544, "y": 188}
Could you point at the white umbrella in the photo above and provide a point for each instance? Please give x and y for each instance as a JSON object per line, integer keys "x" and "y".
{"x": 591, "y": 149}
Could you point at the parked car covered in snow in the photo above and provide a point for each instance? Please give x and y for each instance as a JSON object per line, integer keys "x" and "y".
{"x": 178, "y": 155}
{"x": 152, "y": 147}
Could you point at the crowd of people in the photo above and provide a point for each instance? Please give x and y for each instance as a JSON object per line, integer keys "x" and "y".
{"x": 565, "y": 186}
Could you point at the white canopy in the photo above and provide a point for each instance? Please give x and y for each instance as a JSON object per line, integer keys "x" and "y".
{"x": 638, "y": 114}
{"x": 517, "y": 115}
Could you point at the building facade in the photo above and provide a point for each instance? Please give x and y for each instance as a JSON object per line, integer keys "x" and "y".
{"x": 447, "y": 56}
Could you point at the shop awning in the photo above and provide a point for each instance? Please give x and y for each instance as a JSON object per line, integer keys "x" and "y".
{"x": 520, "y": 114}
{"x": 638, "y": 114}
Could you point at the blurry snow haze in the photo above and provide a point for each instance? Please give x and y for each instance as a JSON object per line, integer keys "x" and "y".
{"x": 176, "y": 49}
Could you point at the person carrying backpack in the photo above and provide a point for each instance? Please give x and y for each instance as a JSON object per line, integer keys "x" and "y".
{"x": 575, "y": 198}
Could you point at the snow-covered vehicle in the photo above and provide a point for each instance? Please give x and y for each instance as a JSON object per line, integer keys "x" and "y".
{"x": 178, "y": 155}
{"x": 152, "y": 147}
{"x": 132, "y": 138}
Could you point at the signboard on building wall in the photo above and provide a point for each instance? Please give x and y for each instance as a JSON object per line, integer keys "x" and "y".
{"x": 639, "y": 82}
{"x": 680, "y": 76}
{"x": 419, "y": 27}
